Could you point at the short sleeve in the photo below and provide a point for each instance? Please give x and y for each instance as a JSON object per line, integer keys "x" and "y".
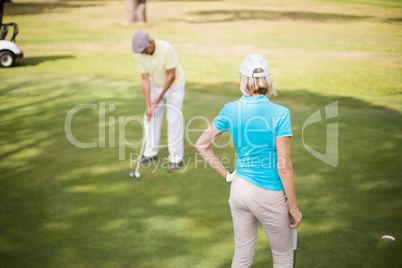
{"x": 172, "y": 61}
{"x": 221, "y": 122}
{"x": 138, "y": 60}
{"x": 283, "y": 128}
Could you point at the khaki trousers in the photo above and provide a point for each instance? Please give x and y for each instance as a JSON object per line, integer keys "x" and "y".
{"x": 251, "y": 204}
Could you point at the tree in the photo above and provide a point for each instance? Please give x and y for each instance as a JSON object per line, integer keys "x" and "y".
{"x": 136, "y": 11}
{"x": 1, "y": 11}
{"x": 2, "y": 8}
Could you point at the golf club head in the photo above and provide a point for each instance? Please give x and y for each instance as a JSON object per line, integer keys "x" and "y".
{"x": 136, "y": 174}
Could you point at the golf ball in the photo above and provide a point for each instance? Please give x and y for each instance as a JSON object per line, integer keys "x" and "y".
{"x": 131, "y": 174}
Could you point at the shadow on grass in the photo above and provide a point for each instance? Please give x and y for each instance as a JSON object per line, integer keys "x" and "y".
{"x": 291, "y": 95}
{"x": 73, "y": 205}
{"x": 185, "y": 1}
{"x": 211, "y": 16}
{"x": 42, "y": 8}
{"x": 33, "y": 61}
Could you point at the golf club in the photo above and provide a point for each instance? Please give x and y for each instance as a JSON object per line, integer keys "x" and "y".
{"x": 136, "y": 174}
{"x": 294, "y": 235}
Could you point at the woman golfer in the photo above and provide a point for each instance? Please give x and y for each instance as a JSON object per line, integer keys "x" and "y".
{"x": 263, "y": 188}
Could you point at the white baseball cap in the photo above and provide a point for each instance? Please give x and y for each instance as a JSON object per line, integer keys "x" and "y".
{"x": 252, "y": 62}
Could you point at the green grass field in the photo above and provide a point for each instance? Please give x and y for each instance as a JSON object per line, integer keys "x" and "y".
{"x": 64, "y": 206}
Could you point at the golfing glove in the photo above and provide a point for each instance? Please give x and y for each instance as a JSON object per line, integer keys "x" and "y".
{"x": 230, "y": 175}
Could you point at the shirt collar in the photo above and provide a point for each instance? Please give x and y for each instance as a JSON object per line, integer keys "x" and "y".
{"x": 245, "y": 98}
{"x": 157, "y": 50}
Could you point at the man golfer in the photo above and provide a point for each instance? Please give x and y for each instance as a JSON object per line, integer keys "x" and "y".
{"x": 163, "y": 85}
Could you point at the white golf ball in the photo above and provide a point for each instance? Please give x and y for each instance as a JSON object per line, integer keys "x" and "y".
{"x": 131, "y": 174}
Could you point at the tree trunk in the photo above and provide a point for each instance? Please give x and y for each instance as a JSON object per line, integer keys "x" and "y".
{"x": 1, "y": 11}
{"x": 136, "y": 11}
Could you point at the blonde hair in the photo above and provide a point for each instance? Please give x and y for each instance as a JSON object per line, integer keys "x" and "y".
{"x": 256, "y": 85}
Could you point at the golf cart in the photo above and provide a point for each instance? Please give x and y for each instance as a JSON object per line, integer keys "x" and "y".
{"x": 9, "y": 51}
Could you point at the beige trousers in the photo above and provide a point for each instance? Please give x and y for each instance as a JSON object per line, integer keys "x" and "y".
{"x": 251, "y": 204}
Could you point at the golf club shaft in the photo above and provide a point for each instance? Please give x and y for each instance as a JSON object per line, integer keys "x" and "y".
{"x": 144, "y": 141}
{"x": 294, "y": 236}
{"x": 140, "y": 157}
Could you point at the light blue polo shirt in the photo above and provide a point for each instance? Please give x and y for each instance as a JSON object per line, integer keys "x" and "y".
{"x": 255, "y": 123}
